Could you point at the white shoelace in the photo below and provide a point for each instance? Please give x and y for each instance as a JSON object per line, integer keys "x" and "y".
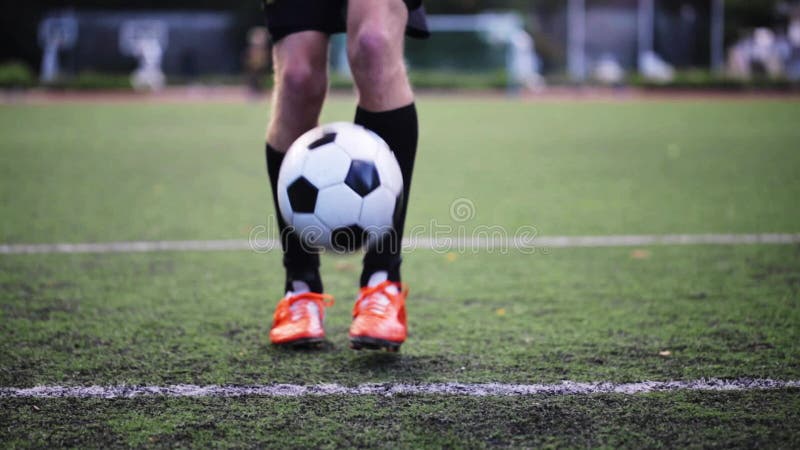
{"x": 301, "y": 306}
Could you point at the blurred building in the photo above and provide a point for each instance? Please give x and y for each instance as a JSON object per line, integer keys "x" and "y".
{"x": 679, "y": 32}
{"x": 195, "y": 42}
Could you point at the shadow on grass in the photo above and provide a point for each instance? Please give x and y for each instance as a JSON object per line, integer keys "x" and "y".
{"x": 300, "y": 349}
{"x": 340, "y": 364}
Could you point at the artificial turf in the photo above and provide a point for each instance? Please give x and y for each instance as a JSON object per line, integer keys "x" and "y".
{"x": 95, "y": 173}
{"x": 80, "y": 173}
{"x": 577, "y": 314}
{"x": 764, "y": 419}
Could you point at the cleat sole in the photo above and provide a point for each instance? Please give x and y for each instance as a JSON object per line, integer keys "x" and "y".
{"x": 305, "y": 343}
{"x": 370, "y": 343}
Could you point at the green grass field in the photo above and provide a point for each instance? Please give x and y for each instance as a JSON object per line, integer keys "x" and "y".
{"x": 117, "y": 172}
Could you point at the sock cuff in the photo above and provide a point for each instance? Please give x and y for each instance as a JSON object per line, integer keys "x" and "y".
{"x": 274, "y": 161}
{"x": 398, "y": 127}
{"x": 273, "y": 153}
{"x": 362, "y": 113}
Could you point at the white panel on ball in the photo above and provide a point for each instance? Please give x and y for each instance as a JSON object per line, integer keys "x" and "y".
{"x": 335, "y": 127}
{"x": 377, "y": 211}
{"x": 326, "y": 165}
{"x": 389, "y": 170}
{"x": 338, "y": 206}
{"x": 311, "y": 230}
{"x": 292, "y": 166}
{"x": 358, "y": 142}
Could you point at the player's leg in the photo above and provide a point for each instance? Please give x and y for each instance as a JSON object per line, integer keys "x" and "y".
{"x": 375, "y": 38}
{"x": 375, "y": 34}
{"x": 300, "y": 63}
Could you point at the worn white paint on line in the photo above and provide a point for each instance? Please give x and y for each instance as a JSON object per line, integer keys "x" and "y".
{"x": 390, "y": 389}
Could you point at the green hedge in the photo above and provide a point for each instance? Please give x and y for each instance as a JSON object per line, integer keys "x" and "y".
{"x": 440, "y": 80}
{"x": 93, "y": 81}
{"x": 16, "y": 75}
{"x": 19, "y": 76}
{"x": 704, "y": 80}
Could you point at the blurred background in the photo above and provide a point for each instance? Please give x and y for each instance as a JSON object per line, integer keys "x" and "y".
{"x": 518, "y": 45}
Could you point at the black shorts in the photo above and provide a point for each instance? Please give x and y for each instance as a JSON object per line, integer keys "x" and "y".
{"x": 285, "y": 17}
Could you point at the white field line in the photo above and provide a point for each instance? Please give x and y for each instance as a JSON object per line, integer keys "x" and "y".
{"x": 442, "y": 244}
{"x": 389, "y": 389}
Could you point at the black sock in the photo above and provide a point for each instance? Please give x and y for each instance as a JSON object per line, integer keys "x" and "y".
{"x": 399, "y": 128}
{"x": 300, "y": 263}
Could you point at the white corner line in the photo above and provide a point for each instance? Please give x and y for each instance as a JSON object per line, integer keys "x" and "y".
{"x": 440, "y": 244}
{"x": 390, "y": 389}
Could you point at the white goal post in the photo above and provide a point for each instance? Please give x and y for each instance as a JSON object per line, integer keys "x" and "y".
{"x": 55, "y": 34}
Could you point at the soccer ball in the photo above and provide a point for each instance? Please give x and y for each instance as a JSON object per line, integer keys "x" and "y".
{"x": 339, "y": 187}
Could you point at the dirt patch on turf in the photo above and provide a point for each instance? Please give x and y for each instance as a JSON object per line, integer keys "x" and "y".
{"x": 36, "y": 301}
{"x": 738, "y": 340}
{"x": 57, "y": 305}
{"x": 786, "y": 273}
{"x": 72, "y": 341}
{"x": 766, "y": 271}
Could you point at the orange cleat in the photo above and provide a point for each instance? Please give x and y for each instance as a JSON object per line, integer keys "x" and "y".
{"x": 379, "y": 317}
{"x": 298, "y": 319}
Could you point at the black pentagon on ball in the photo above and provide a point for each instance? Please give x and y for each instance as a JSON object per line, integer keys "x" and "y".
{"x": 302, "y": 195}
{"x": 362, "y": 177}
{"x": 327, "y": 138}
{"x": 348, "y": 239}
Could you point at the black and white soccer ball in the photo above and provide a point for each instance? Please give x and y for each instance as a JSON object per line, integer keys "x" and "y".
{"x": 339, "y": 187}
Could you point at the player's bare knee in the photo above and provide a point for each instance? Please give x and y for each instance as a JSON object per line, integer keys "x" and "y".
{"x": 304, "y": 81}
{"x": 368, "y": 54}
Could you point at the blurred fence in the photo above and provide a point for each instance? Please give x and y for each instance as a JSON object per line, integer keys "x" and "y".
{"x": 576, "y": 40}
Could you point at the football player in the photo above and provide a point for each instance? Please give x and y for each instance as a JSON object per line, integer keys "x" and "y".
{"x": 300, "y": 31}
